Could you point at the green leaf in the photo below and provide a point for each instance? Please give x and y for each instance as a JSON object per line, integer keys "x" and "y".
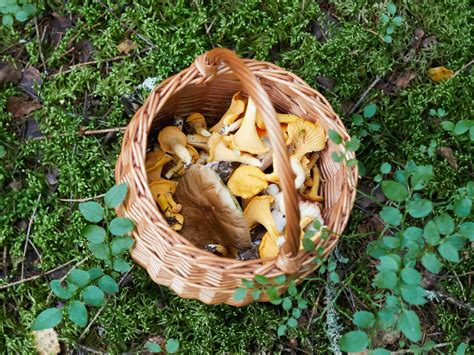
{"x": 421, "y": 175}
{"x": 390, "y": 30}
{"x": 262, "y": 280}
{"x": 292, "y": 322}
{"x": 172, "y": 345}
{"x": 461, "y": 127}
{"x": 121, "y": 244}
{"x": 281, "y": 330}
{"x": 29, "y": 8}
{"x": 93, "y": 296}
{"x": 292, "y": 290}
{"x": 153, "y": 347}
{"x": 388, "y": 262}
{"x": 384, "y": 19}
{"x": 120, "y": 265}
{"x": 391, "y": 8}
{"x": 94, "y": 234}
{"x": 462, "y": 207}
{"x": 256, "y": 294}
{"x": 391, "y": 242}
{"x": 385, "y": 168}
{"x": 374, "y": 127}
{"x": 272, "y": 293}
{"x": 240, "y": 293}
{"x": 121, "y": 226}
{"x": 296, "y": 313}
{"x": 357, "y": 119}
{"x": 49, "y": 318}
{"x": 353, "y": 144}
{"x": 77, "y": 313}
{"x": 441, "y": 112}
{"x": 334, "y": 136}
{"x": 280, "y": 279}
{"x": 410, "y": 276}
{"x": 431, "y": 262}
{"x": 387, "y": 39}
{"x": 7, "y": 20}
{"x": 409, "y": 324}
{"x": 21, "y": 16}
{"x": 308, "y": 245}
{"x": 386, "y": 279}
{"x": 92, "y": 211}
{"x": 386, "y": 317}
{"x": 334, "y": 277}
{"x": 302, "y": 304}
{"x": 370, "y": 110}
{"x": 247, "y": 283}
{"x": 115, "y": 196}
{"x": 467, "y": 230}
{"x": 420, "y": 208}
{"x": 336, "y": 157}
{"x": 364, "y": 319}
{"x": 445, "y": 224}
{"x": 461, "y": 349}
{"x": 448, "y": 251}
{"x": 108, "y": 284}
{"x": 60, "y": 292}
{"x": 287, "y": 304}
{"x": 391, "y": 215}
{"x": 397, "y": 21}
{"x": 447, "y": 126}
{"x": 354, "y": 341}
{"x": 413, "y": 294}
{"x": 95, "y": 273}
{"x": 413, "y": 233}
{"x": 430, "y": 233}
{"x": 100, "y": 251}
{"x": 394, "y": 190}
{"x": 79, "y": 277}
{"x": 2, "y": 151}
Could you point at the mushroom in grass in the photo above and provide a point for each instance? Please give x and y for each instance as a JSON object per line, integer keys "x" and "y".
{"x": 173, "y": 141}
{"x": 162, "y": 192}
{"x": 212, "y": 215}
{"x": 219, "y": 151}
{"x": 247, "y": 181}
{"x": 304, "y": 137}
{"x": 246, "y": 138}
{"x": 154, "y": 163}
{"x": 258, "y": 212}
{"x": 236, "y": 108}
{"x": 198, "y": 124}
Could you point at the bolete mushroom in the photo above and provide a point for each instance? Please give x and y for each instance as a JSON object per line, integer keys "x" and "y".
{"x": 247, "y": 181}
{"x": 219, "y": 151}
{"x": 236, "y": 108}
{"x": 198, "y": 124}
{"x": 172, "y": 140}
{"x": 212, "y": 215}
{"x": 246, "y": 138}
{"x": 154, "y": 163}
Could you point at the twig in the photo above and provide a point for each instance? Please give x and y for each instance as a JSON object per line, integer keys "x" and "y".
{"x": 31, "y": 278}
{"x": 313, "y": 310}
{"x": 366, "y": 92}
{"x": 28, "y": 231}
{"x": 5, "y": 260}
{"x": 90, "y": 350}
{"x": 39, "y": 43}
{"x": 88, "y": 132}
{"x": 447, "y": 297}
{"x": 81, "y": 199}
{"x": 102, "y": 308}
{"x": 66, "y": 275}
{"x": 462, "y": 68}
{"x": 441, "y": 345}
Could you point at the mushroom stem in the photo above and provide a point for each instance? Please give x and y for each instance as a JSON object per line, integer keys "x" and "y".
{"x": 182, "y": 153}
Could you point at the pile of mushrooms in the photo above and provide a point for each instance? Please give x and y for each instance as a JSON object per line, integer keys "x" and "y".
{"x": 217, "y": 185}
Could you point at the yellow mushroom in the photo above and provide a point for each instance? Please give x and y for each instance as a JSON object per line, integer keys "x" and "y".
{"x": 198, "y": 141}
{"x": 247, "y": 181}
{"x": 154, "y": 163}
{"x": 258, "y": 212}
{"x": 282, "y": 118}
{"x": 219, "y": 151}
{"x": 198, "y": 123}
{"x": 172, "y": 140}
{"x": 162, "y": 192}
{"x": 312, "y": 194}
{"x": 236, "y": 108}
{"x": 246, "y": 138}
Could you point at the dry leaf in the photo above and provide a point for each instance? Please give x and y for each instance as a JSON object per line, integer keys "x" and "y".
{"x": 440, "y": 74}
{"x": 404, "y": 79}
{"x": 9, "y": 73}
{"x": 46, "y": 341}
{"x": 30, "y": 77}
{"x": 326, "y": 82}
{"x": 20, "y": 106}
{"x": 447, "y": 153}
{"x": 127, "y": 46}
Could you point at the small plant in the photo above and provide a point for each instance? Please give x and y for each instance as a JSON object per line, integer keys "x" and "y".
{"x": 458, "y": 128}
{"x": 21, "y": 10}
{"x": 361, "y": 121}
{"x": 389, "y": 22}
{"x": 172, "y": 346}
{"x": 89, "y": 287}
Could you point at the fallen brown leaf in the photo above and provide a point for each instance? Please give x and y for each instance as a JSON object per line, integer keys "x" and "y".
{"x": 429, "y": 41}
{"x": 448, "y": 154}
{"x": 9, "y": 73}
{"x": 59, "y": 28}
{"x": 438, "y": 74}
{"x": 127, "y": 46}
{"x": 325, "y": 82}
{"x": 46, "y": 341}
{"x": 30, "y": 77}
{"x": 20, "y": 106}
{"x": 404, "y": 79}
{"x": 418, "y": 36}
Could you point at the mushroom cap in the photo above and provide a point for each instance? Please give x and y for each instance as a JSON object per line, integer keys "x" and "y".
{"x": 247, "y": 181}
{"x": 162, "y": 187}
{"x": 306, "y": 137}
{"x": 220, "y": 151}
{"x": 195, "y": 119}
{"x": 236, "y": 108}
{"x": 154, "y": 163}
{"x": 258, "y": 211}
{"x": 212, "y": 215}
{"x": 268, "y": 247}
{"x": 169, "y": 136}
{"x": 282, "y": 118}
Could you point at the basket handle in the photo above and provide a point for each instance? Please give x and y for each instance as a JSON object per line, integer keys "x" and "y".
{"x": 287, "y": 259}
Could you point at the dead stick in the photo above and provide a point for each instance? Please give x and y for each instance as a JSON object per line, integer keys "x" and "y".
{"x": 39, "y": 43}
{"x": 462, "y": 68}
{"x": 31, "y": 278}
{"x": 447, "y": 297}
{"x": 81, "y": 199}
{"x": 89, "y": 132}
{"x": 366, "y": 92}
{"x": 28, "y": 231}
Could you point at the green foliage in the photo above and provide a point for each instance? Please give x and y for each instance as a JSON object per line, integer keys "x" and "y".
{"x": 21, "y": 10}
{"x": 389, "y": 22}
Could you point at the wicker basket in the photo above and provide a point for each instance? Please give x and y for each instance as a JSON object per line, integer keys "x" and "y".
{"x": 207, "y": 87}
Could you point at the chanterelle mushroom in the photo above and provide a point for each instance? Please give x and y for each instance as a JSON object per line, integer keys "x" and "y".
{"x": 282, "y": 118}
{"x": 162, "y": 191}
{"x": 154, "y": 163}
{"x": 246, "y": 138}
{"x": 172, "y": 140}
{"x": 247, "y": 181}
{"x": 198, "y": 123}
{"x": 198, "y": 141}
{"x": 313, "y": 192}
{"x": 236, "y": 108}
{"x": 212, "y": 215}
{"x": 220, "y": 151}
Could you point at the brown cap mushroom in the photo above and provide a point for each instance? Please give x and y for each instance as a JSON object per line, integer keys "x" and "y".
{"x": 172, "y": 140}
{"x": 212, "y": 215}
{"x": 198, "y": 123}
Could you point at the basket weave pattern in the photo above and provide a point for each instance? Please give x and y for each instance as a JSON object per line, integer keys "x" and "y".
{"x": 207, "y": 87}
